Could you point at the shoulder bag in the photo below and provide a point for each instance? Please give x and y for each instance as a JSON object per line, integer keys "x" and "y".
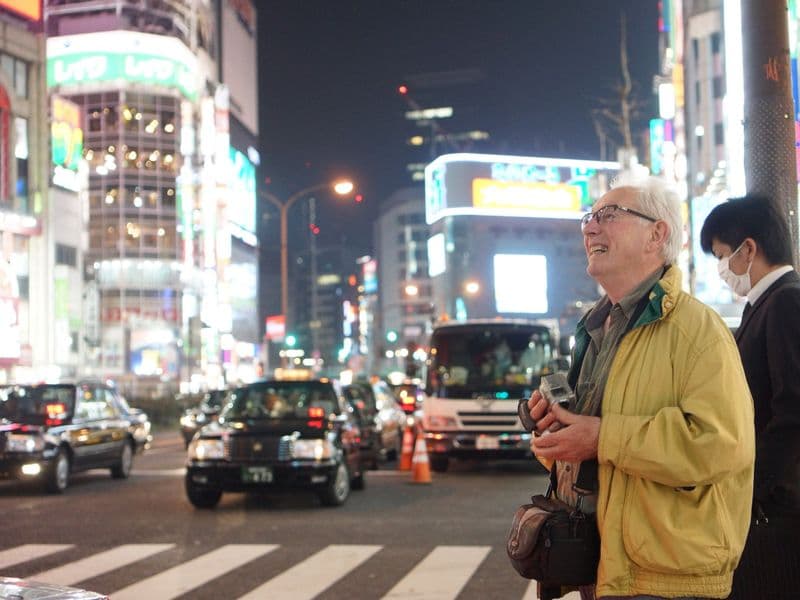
{"x": 552, "y": 542}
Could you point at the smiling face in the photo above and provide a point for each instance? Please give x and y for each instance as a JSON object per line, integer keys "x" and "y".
{"x": 622, "y": 251}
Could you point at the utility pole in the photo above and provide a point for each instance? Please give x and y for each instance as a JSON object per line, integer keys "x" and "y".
{"x": 769, "y": 141}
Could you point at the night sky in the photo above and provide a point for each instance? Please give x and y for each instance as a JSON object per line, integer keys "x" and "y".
{"x": 329, "y": 71}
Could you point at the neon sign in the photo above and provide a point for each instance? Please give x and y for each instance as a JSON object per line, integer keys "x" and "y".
{"x": 518, "y": 186}
{"x": 121, "y": 55}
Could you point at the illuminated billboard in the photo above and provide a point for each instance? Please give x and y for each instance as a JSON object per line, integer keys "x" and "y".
{"x": 242, "y": 188}
{"x": 515, "y": 186}
{"x": 30, "y": 9}
{"x": 520, "y": 283}
{"x": 66, "y": 137}
{"x": 113, "y": 56}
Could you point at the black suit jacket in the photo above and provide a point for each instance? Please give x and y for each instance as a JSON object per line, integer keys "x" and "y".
{"x": 769, "y": 343}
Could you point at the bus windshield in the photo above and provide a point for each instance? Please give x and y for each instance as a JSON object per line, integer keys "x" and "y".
{"x": 495, "y": 359}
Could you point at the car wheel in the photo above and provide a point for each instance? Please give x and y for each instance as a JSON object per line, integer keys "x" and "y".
{"x": 202, "y": 497}
{"x": 58, "y": 476}
{"x": 338, "y": 489}
{"x": 439, "y": 463}
{"x": 122, "y": 469}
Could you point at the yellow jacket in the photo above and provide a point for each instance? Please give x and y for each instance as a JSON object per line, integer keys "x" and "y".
{"x": 676, "y": 453}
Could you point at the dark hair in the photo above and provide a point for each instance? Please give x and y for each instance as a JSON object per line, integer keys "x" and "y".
{"x": 753, "y": 217}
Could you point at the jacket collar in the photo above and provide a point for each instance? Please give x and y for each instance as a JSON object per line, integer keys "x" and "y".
{"x": 660, "y": 301}
{"x": 791, "y": 277}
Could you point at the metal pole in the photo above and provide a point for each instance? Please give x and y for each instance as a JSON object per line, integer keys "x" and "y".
{"x": 769, "y": 141}
{"x": 283, "y": 208}
{"x": 285, "y": 263}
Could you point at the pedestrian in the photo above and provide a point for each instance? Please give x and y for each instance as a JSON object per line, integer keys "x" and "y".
{"x": 751, "y": 239}
{"x": 662, "y": 411}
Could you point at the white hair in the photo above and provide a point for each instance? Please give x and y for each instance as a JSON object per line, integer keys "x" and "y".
{"x": 658, "y": 199}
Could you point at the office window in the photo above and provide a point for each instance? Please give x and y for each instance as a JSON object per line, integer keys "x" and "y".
{"x": 66, "y": 255}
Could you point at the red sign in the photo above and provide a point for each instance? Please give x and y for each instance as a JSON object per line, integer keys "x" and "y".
{"x": 276, "y": 327}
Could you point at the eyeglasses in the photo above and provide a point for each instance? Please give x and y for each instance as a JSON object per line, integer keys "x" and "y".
{"x": 609, "y": 213}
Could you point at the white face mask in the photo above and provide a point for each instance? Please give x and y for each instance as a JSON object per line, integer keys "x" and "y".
{"x": 740, "y": 284}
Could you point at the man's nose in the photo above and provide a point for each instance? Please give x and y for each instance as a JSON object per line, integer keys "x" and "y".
{"x": 591, "y": 228}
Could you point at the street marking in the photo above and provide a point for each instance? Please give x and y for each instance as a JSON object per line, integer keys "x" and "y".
{"x": 187, "y": 576}
{"x": 532, "y": 594}
{"x": 26, "y": 552}
{"x": 441, "y": 574}
{"x": 314, "y": 575}
{"x": 100, "y": 563}
{"x": 180, "y": 472}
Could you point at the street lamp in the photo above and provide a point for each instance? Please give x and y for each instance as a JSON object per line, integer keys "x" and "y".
{"x": 340, "y": 187}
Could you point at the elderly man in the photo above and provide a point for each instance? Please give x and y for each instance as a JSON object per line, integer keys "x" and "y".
{"x": 662, "y": 412}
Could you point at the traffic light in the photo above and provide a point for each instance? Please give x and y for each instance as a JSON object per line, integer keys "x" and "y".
{"x": 391, "y": 336}
{"x": 291, "y": 340}
{"x": 359, "y": 198}
{"x": 314, "y": 228}
{"x": 402, "y": 90}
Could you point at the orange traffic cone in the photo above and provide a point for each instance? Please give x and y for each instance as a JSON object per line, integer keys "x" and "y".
{"x": 420, "y": 469}
{"x": 407, "y": 451}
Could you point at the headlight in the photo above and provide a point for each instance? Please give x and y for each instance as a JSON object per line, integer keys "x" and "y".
{"x": 312, "y": 449}
{"x": 207, "y": 449}
{"x": 439, "y": 422}
{"x": 17, "y": 442}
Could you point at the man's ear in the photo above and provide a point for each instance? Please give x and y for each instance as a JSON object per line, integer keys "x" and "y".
{"x": 752, "y": 248}
{"x": 658, "y": 235}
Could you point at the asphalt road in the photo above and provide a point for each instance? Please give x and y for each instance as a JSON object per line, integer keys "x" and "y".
{"x": 140, "y": 537}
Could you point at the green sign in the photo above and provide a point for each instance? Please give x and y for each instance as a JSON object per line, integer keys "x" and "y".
{"x": 90, "y": 67}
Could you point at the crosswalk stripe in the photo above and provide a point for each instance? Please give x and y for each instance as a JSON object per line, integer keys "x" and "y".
{"x": 26, "y": 552}
{"x": 194, "y": 573}
{"x": 441, "y": 574}
{"x": 532, "y": 594}
{"x": 99, "y": 563}
{"x": 314, "y": 575}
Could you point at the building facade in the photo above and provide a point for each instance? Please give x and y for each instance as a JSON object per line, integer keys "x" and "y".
{"x": 505, "y": 235}
{"x": 171, "y": 250}
{"x": 405, "y": 299}
{"x": 30, "y": 294}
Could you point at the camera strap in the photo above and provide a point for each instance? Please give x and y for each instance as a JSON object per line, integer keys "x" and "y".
{"x": 586, "y": 483}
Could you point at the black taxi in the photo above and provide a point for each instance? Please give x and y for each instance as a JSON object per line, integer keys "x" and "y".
{"x": 274, "y": 435}
{"x": 50, "y": 430}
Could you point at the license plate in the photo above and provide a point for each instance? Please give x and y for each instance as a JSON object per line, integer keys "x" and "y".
{"x": 256, "y": 475}
{"x": 487, "y": 442}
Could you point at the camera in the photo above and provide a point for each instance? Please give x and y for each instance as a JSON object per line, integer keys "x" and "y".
{"x": 556, "y": 389}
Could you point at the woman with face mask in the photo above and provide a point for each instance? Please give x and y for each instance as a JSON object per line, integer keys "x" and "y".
{"x": 752, "y": 240}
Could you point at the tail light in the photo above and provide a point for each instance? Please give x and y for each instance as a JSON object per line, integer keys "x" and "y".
{"x": 408, "y": 402}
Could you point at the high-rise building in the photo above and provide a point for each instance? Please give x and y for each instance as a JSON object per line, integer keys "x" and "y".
{"x": 170, "y": 148}
{"x": 35, "y": 281}
{"x": 322, "y": 276}
{"x": 443, "y": 114}
{"x": 405, "y": 300}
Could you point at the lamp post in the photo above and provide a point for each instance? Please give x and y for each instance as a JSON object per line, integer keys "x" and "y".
{"x": 340, "y": 187}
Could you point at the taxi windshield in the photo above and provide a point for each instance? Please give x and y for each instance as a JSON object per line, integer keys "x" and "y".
{"x": 281, "y": 400}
